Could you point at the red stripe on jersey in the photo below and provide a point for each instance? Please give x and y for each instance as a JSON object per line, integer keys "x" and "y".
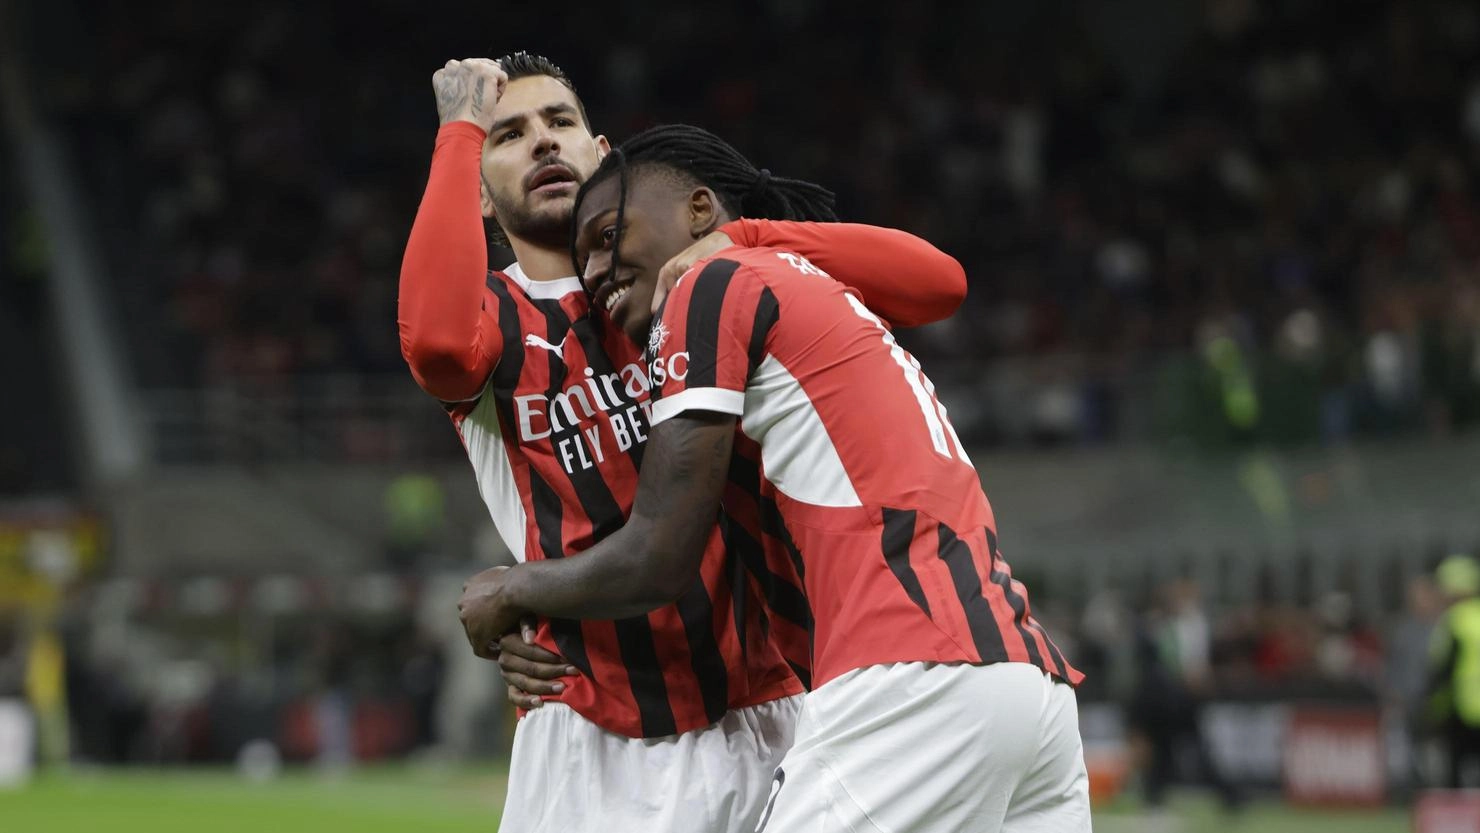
{"x": 567, "y": 404}
{"x": 871, "y": 482}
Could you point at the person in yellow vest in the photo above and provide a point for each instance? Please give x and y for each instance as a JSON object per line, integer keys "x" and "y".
{"x": 1455, "y": 681}
{"x": 45, "y": 684}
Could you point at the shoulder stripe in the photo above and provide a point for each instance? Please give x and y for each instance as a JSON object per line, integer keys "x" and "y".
{"x": 767, "y": 313}
{"x": 511, "y": 361}
{"x": 706, "y": 304}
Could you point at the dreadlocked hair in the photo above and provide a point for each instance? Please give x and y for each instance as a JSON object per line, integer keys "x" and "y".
{"x": 695, "y": 153}
{"x": 743, "y": 189}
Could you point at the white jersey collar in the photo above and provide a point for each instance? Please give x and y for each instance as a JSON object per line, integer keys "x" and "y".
{"x": 543, "y": 290}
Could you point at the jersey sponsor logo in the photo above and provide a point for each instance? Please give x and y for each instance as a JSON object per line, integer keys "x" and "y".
{"x": 533, "y": 340}
{"x": 801, "y": 264}
{"x": 616, "y": 404}
{"x": 663, "y": 368}
{"x": 657, "y": 336}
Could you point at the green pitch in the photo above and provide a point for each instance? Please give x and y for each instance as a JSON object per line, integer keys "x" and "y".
{"x": 417, "y": 800}
{"x": 395, "y": 800}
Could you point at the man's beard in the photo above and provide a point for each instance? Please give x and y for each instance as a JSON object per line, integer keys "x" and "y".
{"x": 548, "y": 226}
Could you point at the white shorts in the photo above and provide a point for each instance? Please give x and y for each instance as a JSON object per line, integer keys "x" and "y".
{"x": 916, "y": 747}
{"x": 567, "y": 773}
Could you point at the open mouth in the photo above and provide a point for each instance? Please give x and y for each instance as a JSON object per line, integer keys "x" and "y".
{"x": 612, "y": 292}
{"x": 551, "y": 178}
{"x": 616, "y": 295}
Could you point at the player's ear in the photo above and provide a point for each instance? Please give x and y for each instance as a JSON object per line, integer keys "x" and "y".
{"x": 485, "y": 198}
{"x": 704, "y": 212}
{"x": 603, "y": 147}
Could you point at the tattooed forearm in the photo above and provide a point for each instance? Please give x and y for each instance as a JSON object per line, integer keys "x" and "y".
{"x": 452, "y": 96}
{"x": 478, "y": 99}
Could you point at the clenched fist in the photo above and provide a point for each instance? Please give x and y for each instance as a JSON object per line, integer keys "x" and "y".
{"x": 468, "y": 89}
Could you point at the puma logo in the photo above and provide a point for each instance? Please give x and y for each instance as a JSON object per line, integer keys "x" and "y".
{"x": 533, "y": 340}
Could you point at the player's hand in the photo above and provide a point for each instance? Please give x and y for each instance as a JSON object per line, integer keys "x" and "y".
{"x": 530, "y": 670}
{"x": 467, "y": 90}
{"x": 680, "y": 263}
{"x": 485, "y": 612}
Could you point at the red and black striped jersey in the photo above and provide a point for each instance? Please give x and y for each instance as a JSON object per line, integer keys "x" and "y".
{"x": 551, "y": 404}
{"x": 882, "y": 517}
{"x": 555, "y": 440}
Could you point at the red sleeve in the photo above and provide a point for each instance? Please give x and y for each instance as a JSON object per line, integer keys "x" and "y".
{"x": 447, "y": 317}
{"x": 902, "y": 278}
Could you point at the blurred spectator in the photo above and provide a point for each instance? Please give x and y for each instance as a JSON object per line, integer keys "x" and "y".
{"x": 1456, "y": 669}
{"x": 1175, "y": 651}
{"x": 1229, "y": 238}
{"x": 1407, "y": 671}
{"x": 414, "y": 520}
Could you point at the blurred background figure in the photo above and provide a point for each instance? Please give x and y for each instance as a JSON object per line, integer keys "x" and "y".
{"x": 1455, "y": 682}
{"x": 1174, "y": 680}
{"x": 1408, "y": 673}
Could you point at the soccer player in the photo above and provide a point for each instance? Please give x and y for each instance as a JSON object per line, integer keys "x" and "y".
{"x": 940, "y": 703}
{"x": 550, "y": 402}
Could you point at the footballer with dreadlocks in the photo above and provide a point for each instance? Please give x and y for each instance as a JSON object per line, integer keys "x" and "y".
{"x": 623, "y": 716}
{"x": 939, "y": 703}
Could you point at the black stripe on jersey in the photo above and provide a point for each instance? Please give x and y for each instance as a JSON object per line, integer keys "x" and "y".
{"x": 696, "y": 609}
{"x": 740, "y": 592}
{"x": 803, "y": 674}
{"x": 746, "y": 475}
{"x": 635, "y": 634}
{"x": 1019, "y": 607}
{"x": 548, "y": 512}
{"x": 1057, "y": 664}
{"x": 767, "y": 313}
{"x": 645, "y": 676}
{"x": 899, "y": 531}
{"x": 781, "y": 596}
{"x": 957, "y": 556}
{"x": 706, "y": 303}
{"x": 511, "y": 361}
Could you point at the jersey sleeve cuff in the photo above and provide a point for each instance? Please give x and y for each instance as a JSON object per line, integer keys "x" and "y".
{"x": 699, "y": 399}
{"x": 465, "y": 129}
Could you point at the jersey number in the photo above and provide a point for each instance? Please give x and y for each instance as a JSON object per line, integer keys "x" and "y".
{"x": 942, "y": 435}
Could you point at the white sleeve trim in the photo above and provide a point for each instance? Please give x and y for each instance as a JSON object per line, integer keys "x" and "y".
{"x": 699, "y": 399}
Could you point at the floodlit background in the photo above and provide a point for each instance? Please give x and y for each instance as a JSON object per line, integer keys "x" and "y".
{"x": 1219, "y": 369}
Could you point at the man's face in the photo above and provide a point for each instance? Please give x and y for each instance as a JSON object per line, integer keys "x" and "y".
{"x": 661, "y": 219}
{"x": 535, "y": 158}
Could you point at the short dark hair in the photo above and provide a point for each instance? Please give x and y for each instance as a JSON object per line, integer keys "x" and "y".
{"x": 522, "y": 64}
{"x": 696, "y": 155}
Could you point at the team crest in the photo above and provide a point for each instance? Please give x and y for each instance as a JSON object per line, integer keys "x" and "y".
{"x": 656, "y": 338}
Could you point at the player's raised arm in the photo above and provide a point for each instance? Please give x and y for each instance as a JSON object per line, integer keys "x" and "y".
{"x": 904, "y": 279}
{"x": 641, "y": 567}
{"x": 448, "y": 336}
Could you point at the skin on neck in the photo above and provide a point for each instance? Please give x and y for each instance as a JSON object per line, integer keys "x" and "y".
{"x": 542, "y": 263}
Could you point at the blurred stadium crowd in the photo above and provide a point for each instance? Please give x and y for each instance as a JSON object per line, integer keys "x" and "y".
{"x": 1256, "y": 225}
{"x": 1269, "y": 232}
